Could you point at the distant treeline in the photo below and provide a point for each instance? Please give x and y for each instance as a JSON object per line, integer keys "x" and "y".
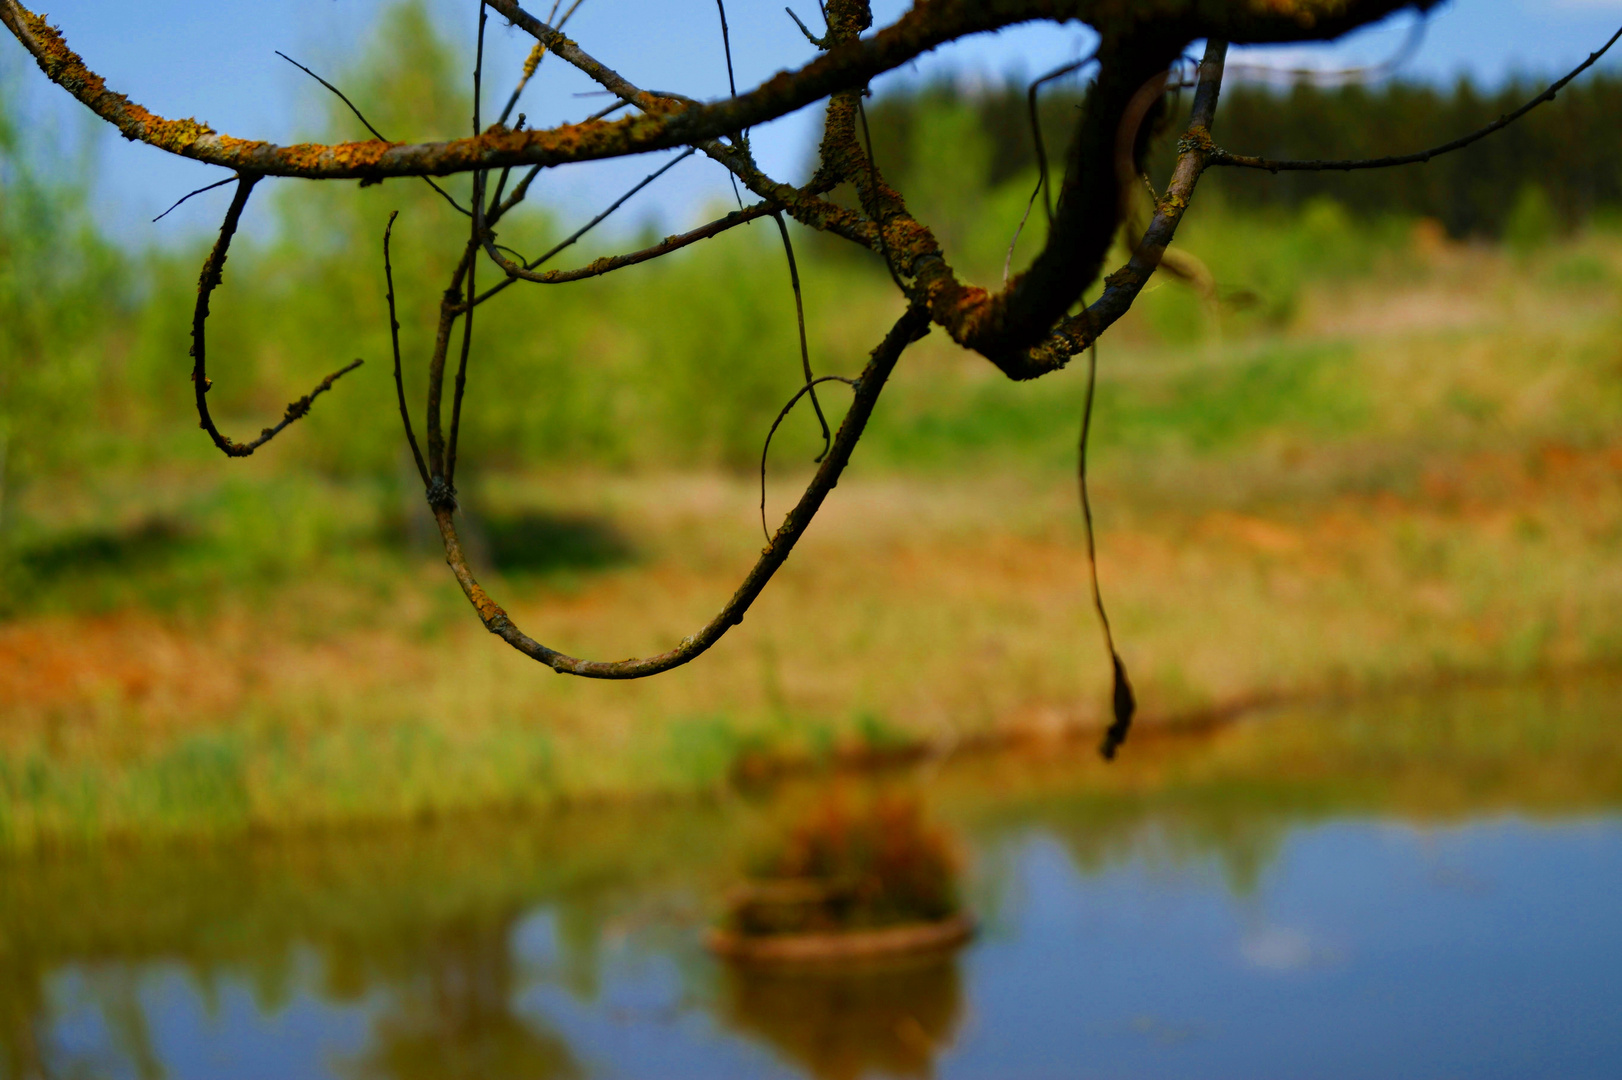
{"x": 1569, "y": 149}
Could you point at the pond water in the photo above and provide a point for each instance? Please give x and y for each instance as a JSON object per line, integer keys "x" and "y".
{"x": 1419, "y": 887}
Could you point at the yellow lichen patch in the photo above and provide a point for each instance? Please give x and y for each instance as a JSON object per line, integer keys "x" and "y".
{"x": 67, "y": 69}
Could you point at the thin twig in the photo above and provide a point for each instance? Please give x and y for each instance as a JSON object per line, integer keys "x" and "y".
{"x": 873, "y": 177}
{"x": 472, "y": 270}
{"x": 726, "y": 46}
{"x": 533, "y": 62}
{"x": 805, "y": 351}
{"x": 376, "y": 133}
{"x": 614, "y": 108}
{"x": 526, "y": 272}
{"x": 732, "y": 87}
{"x": 1041, "y": 187}
{"x": 600, "y": 267}
{"x": 808, "y": 388}
{"x": 189, "y": 194}
{"x": 1367, "y": 73}
{"x": 821, "y": 43}
{"x": 1219, "y": 156}
{"x": 394, "y": 337}
{"x": 1036, "y": 130}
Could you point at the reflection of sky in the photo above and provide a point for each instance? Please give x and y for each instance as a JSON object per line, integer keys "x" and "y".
{"x": 1362, "y": 948}
{"x": 1368, "y": 950}
{"x": 215, "y": 61}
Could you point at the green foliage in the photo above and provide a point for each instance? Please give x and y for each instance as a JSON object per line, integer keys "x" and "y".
{"x": 1531, "y": 223}
{"x": 64, "y": 291}
{"x": 1567, "y": 146}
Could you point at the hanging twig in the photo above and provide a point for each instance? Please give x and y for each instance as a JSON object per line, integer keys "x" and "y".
{"x": 1122, "y": 702}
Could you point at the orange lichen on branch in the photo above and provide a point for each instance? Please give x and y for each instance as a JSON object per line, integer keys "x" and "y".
{"x": 67, "y": 69}
{"x": 666, "y": 122}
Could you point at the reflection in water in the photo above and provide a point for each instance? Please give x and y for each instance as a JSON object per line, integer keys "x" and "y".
{"x": 1417, "y": 884}
{"x": 452, "y": 1019}
{"x": 839, "y": 1024}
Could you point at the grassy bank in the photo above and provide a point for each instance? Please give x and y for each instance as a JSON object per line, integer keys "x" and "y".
{"x": 1406, "y": 474}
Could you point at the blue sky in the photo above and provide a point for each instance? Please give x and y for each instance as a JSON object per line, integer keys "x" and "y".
{"x": 216, "y": 61}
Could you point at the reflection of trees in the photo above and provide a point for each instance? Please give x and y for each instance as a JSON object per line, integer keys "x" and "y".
{"x": 23, "y": 1019}
{"x": 27, "y": 1051}
{"x": 841, "y": 1023}
{"x": 452, "y": 1017}
{"x": 418, "y": 920}
{"x": 1243, "y": 842}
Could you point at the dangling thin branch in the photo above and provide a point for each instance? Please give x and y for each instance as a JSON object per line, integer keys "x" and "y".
{"x": 1122, "y": 702}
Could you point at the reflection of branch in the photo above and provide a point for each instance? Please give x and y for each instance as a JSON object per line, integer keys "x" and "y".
{"x": 912, "y": 325}
{"x": 213, "y": 272}
{"x": 1218, "y": 156}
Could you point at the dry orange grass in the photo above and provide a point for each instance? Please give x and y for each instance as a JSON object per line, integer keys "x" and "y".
{"x": 1431, "y": 545}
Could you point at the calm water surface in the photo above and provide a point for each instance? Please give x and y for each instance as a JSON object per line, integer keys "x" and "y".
{"x": 1306, "y": 895}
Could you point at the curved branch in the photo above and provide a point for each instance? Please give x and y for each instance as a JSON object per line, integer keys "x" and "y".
{"x": 1123, "y": 286}
{"x": 213, "y": 273}
{"x": 766, "y": 447}
{"x": 913, "y": 324}
{"x": 1218, "y": 156}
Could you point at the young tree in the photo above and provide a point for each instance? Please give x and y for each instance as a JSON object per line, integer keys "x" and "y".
{"x": 1029, "y": 328}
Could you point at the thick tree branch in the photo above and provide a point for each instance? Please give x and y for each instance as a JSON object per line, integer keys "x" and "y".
{"x": 925, "y": 26}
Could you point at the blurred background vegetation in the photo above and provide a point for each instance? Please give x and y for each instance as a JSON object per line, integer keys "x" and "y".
{"x": 1383, "y": 454}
